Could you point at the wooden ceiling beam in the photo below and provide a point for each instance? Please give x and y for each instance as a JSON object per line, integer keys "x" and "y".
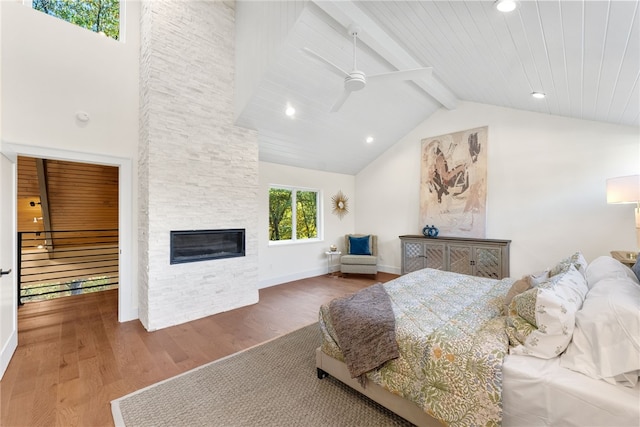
{"x": 348, "y": 13}
{"x": 41, "y": 169}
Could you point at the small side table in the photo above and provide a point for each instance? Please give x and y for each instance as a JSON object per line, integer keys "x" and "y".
{"x": 628, "y": 258}
{"x": 330, "y": 255}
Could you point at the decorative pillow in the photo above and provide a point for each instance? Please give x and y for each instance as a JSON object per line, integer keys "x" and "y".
{"x": 550, "y": 308}
{"x": 518, "y": 330}
{"x": 576, "y": 260}
{"x": 605, "y": 267}
{"x": 518, "y": 287}
{"x": 359, "y": 245}
{"x": 523, "y": 285}
{"x": 606, "y": 340}
{"x": 536, "y": 278}
{"x": 524, "y": 305}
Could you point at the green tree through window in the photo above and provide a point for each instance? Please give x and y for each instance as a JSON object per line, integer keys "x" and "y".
{"x": 101, "y": 16}
{"x": 306, "y": 214}
{"x": 279, "y": 214}
{"x": 286, "y": 223}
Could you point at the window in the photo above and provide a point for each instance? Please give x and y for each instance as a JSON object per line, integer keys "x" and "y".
{"x": 293, "y": 214}
{"x": 100, "y": 16}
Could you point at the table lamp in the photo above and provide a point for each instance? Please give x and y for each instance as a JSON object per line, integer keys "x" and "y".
{"x": 626, "y": 189}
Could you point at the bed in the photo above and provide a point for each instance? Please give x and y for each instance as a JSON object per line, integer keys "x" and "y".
{"x": 466, "y": 358}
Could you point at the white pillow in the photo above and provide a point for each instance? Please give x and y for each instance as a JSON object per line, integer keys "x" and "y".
{"x": 553, "y": 306}
{"x": 577, "y": 260}
{"x": 606, "y": 339}
{"x": 605, "y": 267}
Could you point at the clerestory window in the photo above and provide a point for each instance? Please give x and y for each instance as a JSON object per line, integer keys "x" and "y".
{"x": 293, "y": 214}
{"x": 100, "y": 16}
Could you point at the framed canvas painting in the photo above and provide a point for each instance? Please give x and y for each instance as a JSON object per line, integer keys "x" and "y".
{"x": 453, "y": 183}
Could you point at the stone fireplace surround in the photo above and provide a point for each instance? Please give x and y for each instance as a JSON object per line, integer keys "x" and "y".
{"x": 196, "y": 169}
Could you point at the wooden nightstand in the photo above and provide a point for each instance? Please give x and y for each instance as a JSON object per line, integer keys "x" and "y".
{"x": 628, "y": 258}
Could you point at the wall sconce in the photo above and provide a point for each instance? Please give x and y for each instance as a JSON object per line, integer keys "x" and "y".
{"x": 626, "y": 189}
{"x": 36, "y": 219}
{"x": 32, "y": 203}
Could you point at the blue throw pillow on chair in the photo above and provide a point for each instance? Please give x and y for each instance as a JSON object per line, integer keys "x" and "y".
{"x": 359, "y": 245}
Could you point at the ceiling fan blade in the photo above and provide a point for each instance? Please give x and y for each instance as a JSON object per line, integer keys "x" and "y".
{"x": 333, "y": 67}
{"x": 340, "y": 101}
{"x": 414, "y": 74}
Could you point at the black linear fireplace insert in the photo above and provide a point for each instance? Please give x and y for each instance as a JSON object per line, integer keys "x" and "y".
{"x": 201, "y": 245}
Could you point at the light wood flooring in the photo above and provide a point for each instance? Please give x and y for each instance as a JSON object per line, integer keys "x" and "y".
{"x": 74, "y": 357}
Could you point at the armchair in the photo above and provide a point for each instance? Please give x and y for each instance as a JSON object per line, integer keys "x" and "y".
{"x": 361, "y": 254}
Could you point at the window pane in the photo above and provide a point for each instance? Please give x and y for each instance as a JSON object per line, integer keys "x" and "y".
{"x": 279, "y": 214}
{"x": 100, "y": 16}
{"x": 306, "y": 215}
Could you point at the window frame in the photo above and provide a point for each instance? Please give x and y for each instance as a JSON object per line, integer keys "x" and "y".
{"x": 121, "y": 20}
{"x": 319, "y": 209}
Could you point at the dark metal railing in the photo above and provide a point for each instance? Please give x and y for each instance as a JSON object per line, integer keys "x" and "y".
{"x": 55, "y": 263}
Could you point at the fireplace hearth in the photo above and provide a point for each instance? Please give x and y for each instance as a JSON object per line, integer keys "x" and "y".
{"x": 203, "y": 245}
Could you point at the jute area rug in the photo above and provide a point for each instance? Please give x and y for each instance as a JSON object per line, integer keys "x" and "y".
{"x": 272, "y": 384}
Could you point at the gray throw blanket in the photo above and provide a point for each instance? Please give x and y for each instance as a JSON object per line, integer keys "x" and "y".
{"x": 365, "y": 330}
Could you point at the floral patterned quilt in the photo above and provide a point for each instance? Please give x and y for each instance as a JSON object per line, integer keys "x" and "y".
{"x": 452, "y": 341}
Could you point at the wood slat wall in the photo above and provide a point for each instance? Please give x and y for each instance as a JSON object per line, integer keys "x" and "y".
{"x": 27, "y": 177}
{"x": 28, "y": 192}
{"x": 26, "y": 213}
{"x": 81, "y": 196}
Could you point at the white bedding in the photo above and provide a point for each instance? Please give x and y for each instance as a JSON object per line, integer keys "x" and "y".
{"x": 539, "y": 392}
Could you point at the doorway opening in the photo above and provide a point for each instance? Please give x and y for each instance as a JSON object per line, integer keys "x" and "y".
{"x": 127, "y": 298}
{"x": 67, "y": 223}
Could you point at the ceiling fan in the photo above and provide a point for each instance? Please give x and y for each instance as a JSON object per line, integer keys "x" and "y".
{"x": 357, "y": 80}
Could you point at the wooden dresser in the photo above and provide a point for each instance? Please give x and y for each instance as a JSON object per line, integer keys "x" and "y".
{"x": 477, "y": 257}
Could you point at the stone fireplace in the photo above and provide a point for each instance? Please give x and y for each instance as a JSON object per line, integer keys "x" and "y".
{"x": 196, "y": 169}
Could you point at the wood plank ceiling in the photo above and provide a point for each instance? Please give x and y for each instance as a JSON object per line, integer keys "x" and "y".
{"x": 80, "y": 196}
{"x": 585, "y": 55}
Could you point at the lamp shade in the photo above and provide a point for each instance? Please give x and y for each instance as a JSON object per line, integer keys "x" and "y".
{"x": 623, "y": 189}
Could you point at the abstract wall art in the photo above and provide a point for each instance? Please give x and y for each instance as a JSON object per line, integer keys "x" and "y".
{"x": 453, "y": 183}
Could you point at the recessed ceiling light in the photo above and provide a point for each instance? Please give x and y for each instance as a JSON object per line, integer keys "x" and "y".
{"x": 538, "y": 95}
{"x": 369, "y": 139}
{"x": 290, "y": 111}
{"x": 505, "y": 5}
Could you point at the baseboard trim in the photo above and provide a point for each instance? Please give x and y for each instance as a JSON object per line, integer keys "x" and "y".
{"x": 7, "y": 352}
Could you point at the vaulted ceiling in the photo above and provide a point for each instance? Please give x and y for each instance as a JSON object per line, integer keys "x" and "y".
{"x": 584, "y": 55}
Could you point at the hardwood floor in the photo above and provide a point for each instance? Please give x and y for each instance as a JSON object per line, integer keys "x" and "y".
{"x": 74, "y": 357}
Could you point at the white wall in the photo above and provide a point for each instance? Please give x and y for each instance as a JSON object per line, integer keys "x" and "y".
{"x": 287, "y": 262}
{"x": 546, "y": 185}
{"x": 50, "y": 70}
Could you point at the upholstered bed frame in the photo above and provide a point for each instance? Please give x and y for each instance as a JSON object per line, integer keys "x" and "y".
{"x": 327, "y": 365}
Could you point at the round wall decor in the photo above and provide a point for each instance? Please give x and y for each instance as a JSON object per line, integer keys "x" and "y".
{"x": 340, "y": 204}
